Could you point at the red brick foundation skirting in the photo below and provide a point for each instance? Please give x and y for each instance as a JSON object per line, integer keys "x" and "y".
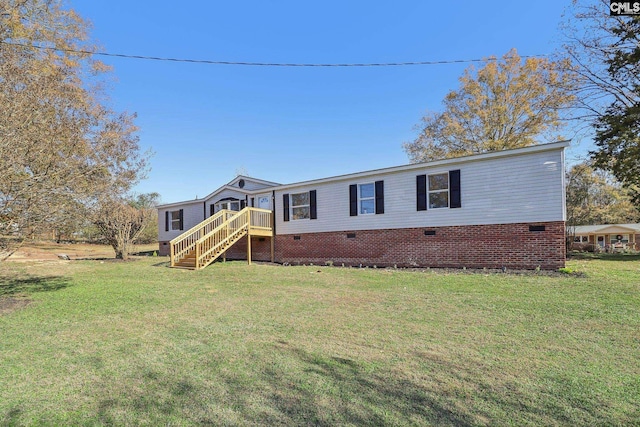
{"x": 260, "y": 249}
{"x": 514, "y": 246}
{"x": 164, "y": 249}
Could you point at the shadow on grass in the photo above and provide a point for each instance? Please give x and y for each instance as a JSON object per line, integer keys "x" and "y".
{"x": 604, "y": 256}
{"x": 145, "y": 253}
{"x": 354, "y": 396}
{"x": 327, "y": 391}
{"x": 270, "y": 396}
{"x": 165, "y": 264}
{"x": 339, "y": 391}
{"x": 318, "y": 390}
{"x": 29, "y": 285}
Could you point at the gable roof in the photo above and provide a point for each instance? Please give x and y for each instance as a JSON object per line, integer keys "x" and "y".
{"x": 231, "y": 185}
{"x": 607, "y": 229}
{"x": 234, "y": 183}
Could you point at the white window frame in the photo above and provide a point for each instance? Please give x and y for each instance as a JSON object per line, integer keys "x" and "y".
{"x": 580, "y": 239}
{"x": 361, "y": 199}
{"x": 430, "y": 191}
{"x": 292, "y": 207}
{"x": 227, "y": 204}
{"x": 175, "y": 220}
{"x": 625, "y": 238}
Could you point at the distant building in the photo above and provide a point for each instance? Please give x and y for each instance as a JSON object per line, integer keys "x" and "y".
{"x": 605, "y": 237}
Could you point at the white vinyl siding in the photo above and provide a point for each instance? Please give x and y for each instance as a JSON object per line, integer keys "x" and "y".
{"x": 192, "y": 214}
{"x": 251, "y": 185}
{"x": 513, "y": 189}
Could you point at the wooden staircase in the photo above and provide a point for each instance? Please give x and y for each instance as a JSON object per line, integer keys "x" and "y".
{"x": 200, "y": 246}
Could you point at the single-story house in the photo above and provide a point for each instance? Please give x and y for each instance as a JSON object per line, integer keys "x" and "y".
{"x": 493, "y": 210}
{"x": 605, "y": 237}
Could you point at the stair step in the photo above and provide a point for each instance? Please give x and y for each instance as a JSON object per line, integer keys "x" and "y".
{"x": 188, "y": 260}
{"x": 186, "y": 264}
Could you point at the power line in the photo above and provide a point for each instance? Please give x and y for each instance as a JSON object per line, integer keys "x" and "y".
{"x": 259, "y": 64}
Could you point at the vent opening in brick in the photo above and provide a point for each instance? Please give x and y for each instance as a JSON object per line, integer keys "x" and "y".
{"x": 296, "y": 237}
{"x": 429, "y": 232}
{"x": 537, "y": 228}
{"x": 351, "y": 235}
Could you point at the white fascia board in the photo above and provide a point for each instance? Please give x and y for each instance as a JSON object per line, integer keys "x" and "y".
{"x": 180, "y": 204}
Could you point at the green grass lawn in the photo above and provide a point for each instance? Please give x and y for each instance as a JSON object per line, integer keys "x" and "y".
{"x": 137, "y": 343}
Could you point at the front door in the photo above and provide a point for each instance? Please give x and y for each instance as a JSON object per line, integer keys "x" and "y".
{"x": 600, "y": 240}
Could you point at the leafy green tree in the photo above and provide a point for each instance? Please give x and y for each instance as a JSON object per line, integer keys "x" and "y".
{"x": 618, "y": 129}
{"x": 507, "y": 103}
{"x": 605, "y": 52}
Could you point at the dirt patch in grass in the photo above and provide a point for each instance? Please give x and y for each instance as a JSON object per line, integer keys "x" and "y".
{"x": 49, "y": 251}
{"x": 11, "y": 304}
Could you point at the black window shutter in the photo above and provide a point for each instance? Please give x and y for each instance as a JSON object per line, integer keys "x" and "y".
{"x": 285, "y": 206}
{"x": 212, "y": 209}
{"x": 166, "y": 221}
{"x": 313, "y": 206}
{"x": 454, "y": 189}
{"x": 421, "y": 192}
{"x": 243, "y": 204}
{"x": 379, "y": 197}
{"x": 353, "y": 200}
{"x": 181, "y": 219}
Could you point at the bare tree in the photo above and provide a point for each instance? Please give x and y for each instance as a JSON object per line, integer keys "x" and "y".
{"x": 148, "y": 201}
{"x": 120, "y": 222}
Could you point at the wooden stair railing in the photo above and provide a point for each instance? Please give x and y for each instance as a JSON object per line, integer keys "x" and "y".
{"x": 220, "y": 239}
{"x": 208, "y": 247}
{"x": 186, "y": 242}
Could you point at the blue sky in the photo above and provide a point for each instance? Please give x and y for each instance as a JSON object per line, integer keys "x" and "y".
{"x": 205, "y": 122}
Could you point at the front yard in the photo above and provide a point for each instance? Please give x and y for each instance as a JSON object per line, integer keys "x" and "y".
{"x": 98, "y": 342}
